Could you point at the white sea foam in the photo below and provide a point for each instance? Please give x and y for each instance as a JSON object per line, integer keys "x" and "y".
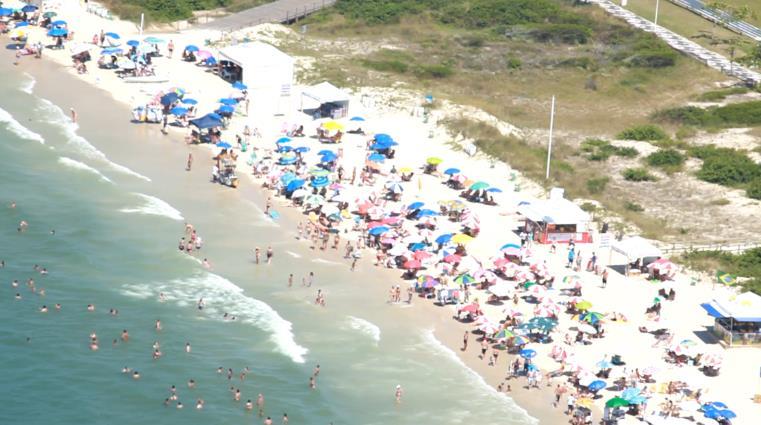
{"x": 154, "y": 206}
{"x": 55, "y": 115}
{"x": 72, "y": 163}
{"x": 17, "y": 128}
{"x": 430, "y": 342}
{"x": 28, "y": 85}
{"x": 368, "y": 328}
{"x": 293, "y": 254}
{"x": 323, "y": 261}
{"x": 221, "y": 295}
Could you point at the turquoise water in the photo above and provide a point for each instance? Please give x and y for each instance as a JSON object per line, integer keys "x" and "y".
{"x": 114, "y": 246}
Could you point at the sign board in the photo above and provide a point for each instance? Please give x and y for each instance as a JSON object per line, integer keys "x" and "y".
{"x": 605, "y": 240}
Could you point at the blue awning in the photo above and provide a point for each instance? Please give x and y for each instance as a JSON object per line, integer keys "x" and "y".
{"x": 712, "y": 311}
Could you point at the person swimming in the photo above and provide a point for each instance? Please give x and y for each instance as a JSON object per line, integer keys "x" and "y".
{"x": 249, "y": 405}
{"x": 90, "y": 307}
{"x": 135, "y": 375}
{"x": 44, "y": 309}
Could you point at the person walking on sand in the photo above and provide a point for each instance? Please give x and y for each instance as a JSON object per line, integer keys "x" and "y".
{"x": 73, "y": 115}
{"x": 605, "y": 278}
{"x": 257, "y": 255}
{"x": 484, "y": 348}
{"x": 290, "y": 280}
{"x": 270, "y": 253}
{"x": 170, "y": 48}
{"x": 190, "y": 162}
{"x": 465, "y": 341}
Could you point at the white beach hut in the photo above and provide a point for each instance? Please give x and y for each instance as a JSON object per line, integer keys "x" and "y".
{"x": 263, "y": 66}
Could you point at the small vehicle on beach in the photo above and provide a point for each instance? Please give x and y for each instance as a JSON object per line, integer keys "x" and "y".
{"x": 226, "y": 175}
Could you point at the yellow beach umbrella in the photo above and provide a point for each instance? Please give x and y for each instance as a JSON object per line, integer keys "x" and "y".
{"x": 583, "y": 305}
{"x": 18, "y": 33}
{"x": 333, "y": 126}
{"x": 461, "y": 238}
{"x": 585, "y": 402}
{"x": 434, "y": 160}
{"x": 405, "y": 170}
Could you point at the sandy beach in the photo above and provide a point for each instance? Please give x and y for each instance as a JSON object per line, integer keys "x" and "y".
{"x": 161, "y": 158}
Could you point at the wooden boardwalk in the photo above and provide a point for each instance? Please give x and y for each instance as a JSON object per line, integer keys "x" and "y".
{"x": 280, "y": 11}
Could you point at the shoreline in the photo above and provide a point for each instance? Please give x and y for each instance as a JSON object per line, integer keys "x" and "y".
{"x": 445, "y": 331}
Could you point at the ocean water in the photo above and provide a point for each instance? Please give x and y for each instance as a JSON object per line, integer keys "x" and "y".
{"x": 117, "y": 213}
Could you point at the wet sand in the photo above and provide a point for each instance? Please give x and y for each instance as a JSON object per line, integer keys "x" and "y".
{"x": 142, "y": 148}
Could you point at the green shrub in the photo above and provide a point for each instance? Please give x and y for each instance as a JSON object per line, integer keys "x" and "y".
{"x": 434, "y": 71}
{"x": 582, "y": 62}
{"x": 513, "y": 63}
{"x": 670, "y": 160}
{"x": 747, "y": 264}
{"x": 643, "y": 133}
{"x": 601, "y": 150}
{"x": 627, "y": 152}
{"x": 736, "y": 114}
{"x": 386, "y": 65}
{"x": 654, "y": 59}
{"x": 725, "y": 166}
{"x": 637, "y": 175}
{"x": 633, "y": 206}
{"x": 597, "y": 185}
{"x": 560, "y": 33}
{"x": 753, "y": 190}
{"x": 719, "y": 95}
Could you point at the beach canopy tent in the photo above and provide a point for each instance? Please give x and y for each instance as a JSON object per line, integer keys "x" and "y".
{"x": 325, "y": 100}
{"x": 262, "y": 66}
{"x": 556, "y": 220}
{"x": 207, "y": 121}
{"x": 737, "y": 318}
{"x": 635, "y": 248}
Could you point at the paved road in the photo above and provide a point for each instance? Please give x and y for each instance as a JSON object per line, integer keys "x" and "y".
{"x": 278, "y": 11}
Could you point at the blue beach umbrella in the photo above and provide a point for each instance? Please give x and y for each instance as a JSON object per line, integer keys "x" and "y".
{"x": 58, "y": 23}
{"x": 113, "y": 35}
{"x": 326, "y": 152}
{"x": 295, "y": 184}
{"x": 283, "y": 140}
{"x": 509, "y": 245}
{"x": 4, "y": 11}
{"x": 29, "y": 8}
{"x": 383, "y": 137}
{"x": 376, "y": 157}
{"x": 228, "y": 101}
{"x": 191, "y": 48}
{"x": 153, "y": 40}
{"x": 189, "y": 101}
{"x": 287, "y": 178}
{"x": 597, "y": 385}
{"x": 239, "y": 86}
{"x": 284, "y": 148}
{"x": 528, "y": 353}
{"x": 320, "y": 182}
{"x": 415, "y": 205}
{"x": 494, "y": 190}
{"x": 418, "y": 246}
{"x": 226, "y": 109}
{"x": 21, "y": 24}
{"x": 169, "y": 98}
{"x": 444, "y": 238}
{"x": 604, "y": 364}
{"x": 287, "y": 160}
{"x": 452, "y": 171}
{"x": 715, "y": 405}
{"x": 328, "y": 157}
{"x": 224, "y": 145}
{"x": 109, "y": 51}
{"x": 301, "y": 149}
{"x": 356, "y": 119}
{"x": 178, "y": 110}
{"x": 133, "y": 43}
{"x": 58, "y": 32}
{"x": 426, "y": 213}
{"x": 379, "y": 230}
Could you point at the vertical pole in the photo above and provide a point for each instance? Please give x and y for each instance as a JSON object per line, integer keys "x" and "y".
{"x": 549, "y": 144}
{"x": 142, "y": 19}
{"x": 657, "y": 6}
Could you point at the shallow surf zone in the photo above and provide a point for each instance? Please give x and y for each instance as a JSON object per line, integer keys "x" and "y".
{"x": 77, "y": 165}
{"x": 17, "y": 128}
{"x": 222, "y": 296}
{"x": 368, "y": 328}
{"x": 27, "y": 86}
{"x": 54, "y": 115}
{"x": 154, "y": 206}
{"x": 518, "y": 414}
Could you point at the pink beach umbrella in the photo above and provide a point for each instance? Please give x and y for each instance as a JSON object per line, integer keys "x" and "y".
{"x": 452, "y": 259}
{"x": 203, "y": 54}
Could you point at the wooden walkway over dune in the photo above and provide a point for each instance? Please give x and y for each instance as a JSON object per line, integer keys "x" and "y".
{"x": 280, "y": 11}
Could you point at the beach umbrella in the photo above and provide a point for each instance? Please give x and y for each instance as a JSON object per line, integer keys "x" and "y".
{"x": 153, "y": 40}
{"x": 301, "y": 149}
{"x": 494, "y": 190}
{"x": 518, "y": 341}
{"x": 442, "y": 239}
{"x": 715, "y": 405}
{"x": 376, "y": 157}
{"x": 319, "y": 172}
{"x": 125, "y": 63}
{"x": 452, "y": 258}
{"x": 58, "y": 32}
{"x": 4, "y": 11}
{"x": 111, "y": 51}
{"x": 113, "y": 35}
{"x": 426, "y": 213}
{"x": 464, "y": 279}
{"x": 189, "y": 101}
{"x": 461, "y": 238}
{"x": 133, "y": 43}
{"x": 591, "y": 317}
{"x": 382, "y": 137}
{"x": 294, "y": 184}
{"x": 379, "y": 230}
{"x": 192, "y": 48}
{"x": 238, "y": 85}
{"x": 328, "y": 157}
{"x": 630, "y": 393}
{"x": 412, "y": 265}
{"x": 320, "y": 182}
{"x": 204, "y": 54}
{"x": 452, "y": 171}
{"x": 178, "y": 110}
{"x": 434, "y": 160}
{"x": 604, "y": 364}
{"x": 29, "y": 8}
{"x": 509, "y": 245}
{"x": 415, "y": 205}
{"x": 395, "y": 188}
{"x": 287, "y": 160}
{"x": 333, "y": 126}
{"x": 585, "y": 402}
{"x": 427, "y": 281}
{"x": 21, "y": 24}
{"x": 724, "y": 413}
{"x": 356, "y": 119}
{"x": 597, "y": 385}
{"x": 59, "y": 23}
{"x": 503, "y": 334}
{"x": 417, "y": 246}
{"x": 616, "y": 402}
{"x": 326, "y": 152}
{"x": 314, "y": 200}
{"x": 284, "y": 148}
{"x": 421, "y": 255}
{"x": 512, "y": 252}
{"x": 479, "y": 186}
{"x": 527, "y": 353}
{"x": 48, "y": 14}
{"x": 228, "y": 101}
{"x": 583, "y": 305}
{"x": 287, "y": 178}
{"x": 224, "y": 145}
{"x": 169, "y": 98}
{"x": 283, "y": 140}
{"x": 226, "y": 109}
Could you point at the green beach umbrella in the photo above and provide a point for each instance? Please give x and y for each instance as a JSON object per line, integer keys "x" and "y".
{"x": 464, "y": 279}
{"x": 503, "y": 334}
{"x": 616, "y": 402}
{"x": 519, "y": 340}
{"x": 319, "y": 172}
{"x": 591, "y": 317}
{"x": 528, "y": 284}
{"x": 479, "y": 186}
{"x": 49, "y": 14}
